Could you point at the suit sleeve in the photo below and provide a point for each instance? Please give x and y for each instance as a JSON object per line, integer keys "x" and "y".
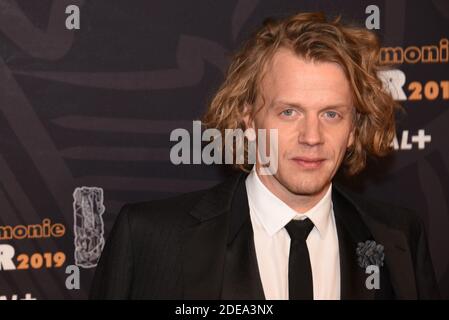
{"x": 426, "y": 283}
{"x": 113, "y": 275}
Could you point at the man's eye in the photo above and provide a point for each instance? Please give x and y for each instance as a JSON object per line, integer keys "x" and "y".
{"x": 332, "y": 114}
{"x": 287, "y": 112}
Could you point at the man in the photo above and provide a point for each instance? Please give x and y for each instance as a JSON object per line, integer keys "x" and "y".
{"x": 292, "y": 234}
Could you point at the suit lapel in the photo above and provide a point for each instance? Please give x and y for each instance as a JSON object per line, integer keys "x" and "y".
{"x": 241, "y": 274}
{"x": 219, "y": 259}
{"x": 355, "y": 222}
{"x": 203, "y": 247}
{"x": 351, "y": 230}
{"x": 203, "y": 259}
{"x": 398, "y": 259}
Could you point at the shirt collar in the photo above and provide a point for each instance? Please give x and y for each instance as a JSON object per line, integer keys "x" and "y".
{"x": 274, "y": 214}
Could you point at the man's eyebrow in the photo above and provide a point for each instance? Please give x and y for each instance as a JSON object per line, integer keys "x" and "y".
{"x": 338, "y": 106}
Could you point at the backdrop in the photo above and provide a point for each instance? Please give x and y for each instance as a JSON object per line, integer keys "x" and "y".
{"x": 87, "y": 107}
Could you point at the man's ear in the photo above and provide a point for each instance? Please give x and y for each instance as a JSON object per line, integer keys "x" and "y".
{"x": 352, "y": 133}
{"x": 351, "y": 137}
{"x": 249, "y": 122}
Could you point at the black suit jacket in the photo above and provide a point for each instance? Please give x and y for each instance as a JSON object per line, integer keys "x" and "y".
{"x": 200, "y": 245}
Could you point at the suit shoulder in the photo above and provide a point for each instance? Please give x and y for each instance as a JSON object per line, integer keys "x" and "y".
{"x": 160, "y": 210}
{"x": 179, "y": 207}
{"x": 395, "y": 216}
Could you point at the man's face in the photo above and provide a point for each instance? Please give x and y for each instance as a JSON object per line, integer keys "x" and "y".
{"x": 311, "y": 106}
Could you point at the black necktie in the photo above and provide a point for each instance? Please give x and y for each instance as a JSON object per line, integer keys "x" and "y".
{"x": 300, "y": 282}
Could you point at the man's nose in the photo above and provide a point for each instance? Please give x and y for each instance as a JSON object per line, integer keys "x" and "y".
{"x": 310, "y": 131}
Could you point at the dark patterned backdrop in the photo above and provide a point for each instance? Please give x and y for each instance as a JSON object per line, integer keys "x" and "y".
{"x": 86, "y": 116}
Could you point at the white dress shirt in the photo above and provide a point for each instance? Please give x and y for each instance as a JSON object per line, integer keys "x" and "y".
{"x": 269, "y": 216}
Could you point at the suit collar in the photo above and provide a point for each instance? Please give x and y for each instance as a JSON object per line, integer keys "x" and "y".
{"x": 218, "y": 199}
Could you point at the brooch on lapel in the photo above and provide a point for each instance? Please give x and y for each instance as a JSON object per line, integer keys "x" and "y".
{"x": 370, "y": 253}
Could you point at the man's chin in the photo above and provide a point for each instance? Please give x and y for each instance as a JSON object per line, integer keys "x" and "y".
{"x": 305, "y": 190}
{"x": 304, "y": 186}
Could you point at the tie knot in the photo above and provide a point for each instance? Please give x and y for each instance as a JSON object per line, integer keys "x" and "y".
{"x": 299, "y": 229}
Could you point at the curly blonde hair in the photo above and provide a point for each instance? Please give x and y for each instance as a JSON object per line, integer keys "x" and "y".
{"x": 313, "y": 37}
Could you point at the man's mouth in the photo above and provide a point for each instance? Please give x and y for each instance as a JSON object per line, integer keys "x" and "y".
{"x": 309, "y": 163}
